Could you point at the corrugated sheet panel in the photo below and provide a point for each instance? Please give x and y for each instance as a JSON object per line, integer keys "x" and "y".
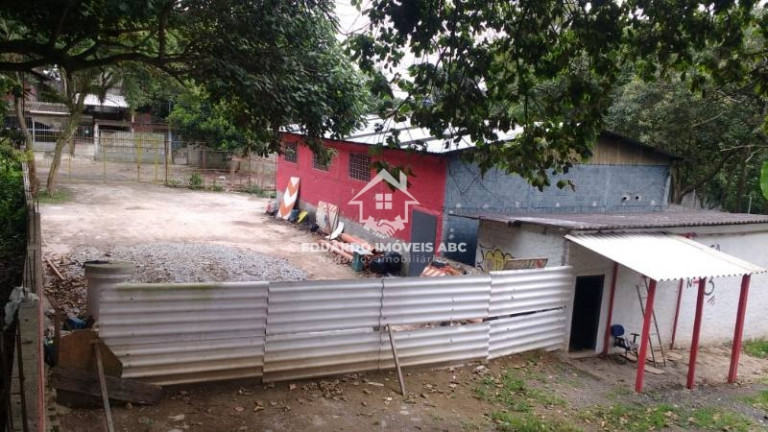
{"x": 437, "y": 345}
{"x": 314, "y": 306}
{"x": 426, "y": 300}
{"x": 318, "y": 328}
{"x": 314, "y": 354}
{"x": 521, "y": 291}
{"x": 176, "y": 333}
{"x": 662, "y": 256}
{"x": 540, "y": 330}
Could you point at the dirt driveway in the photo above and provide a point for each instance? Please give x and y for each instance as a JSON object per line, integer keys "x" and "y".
{"x": 109, "y": 216}
{"x": 530, "y": 392}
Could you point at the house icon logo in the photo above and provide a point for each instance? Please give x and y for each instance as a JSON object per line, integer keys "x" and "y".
{"x": 383, "y": 204}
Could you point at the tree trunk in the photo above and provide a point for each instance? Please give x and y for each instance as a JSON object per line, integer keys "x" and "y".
{"x": 677, "y": 195}
{"x": 30, "y": 144}
{"x": 64, "y": 138}
{"x": 742, "y": 182}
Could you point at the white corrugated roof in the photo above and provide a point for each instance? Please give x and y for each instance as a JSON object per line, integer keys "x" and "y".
{"x": 110, "y": 100}
{"x": 663, "y": 256}
{"x": 375, "y": 131}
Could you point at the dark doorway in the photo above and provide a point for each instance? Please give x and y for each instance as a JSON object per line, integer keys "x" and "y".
{"x": 423, "y": 231}
{"x": 586, "y": 312}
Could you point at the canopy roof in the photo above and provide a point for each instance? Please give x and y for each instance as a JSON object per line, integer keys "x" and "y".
{"x": 662, "y": 256}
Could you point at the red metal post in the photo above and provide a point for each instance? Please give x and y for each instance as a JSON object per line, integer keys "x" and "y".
{"x": 696, "y": 332}
{"x": 679, "y": 301}
{"x": 677, "y": 314}
{"x": 739, "y": 331}
{"x": 609, "y": 321}
{"x": 643, "y": 352}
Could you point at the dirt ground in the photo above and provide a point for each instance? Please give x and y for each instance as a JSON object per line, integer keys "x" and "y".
{"x": 556, "y": 394}
{"x": 105, "y": 216}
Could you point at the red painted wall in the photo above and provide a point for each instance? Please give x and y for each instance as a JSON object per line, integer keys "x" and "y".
{"x": 427, "y": 184}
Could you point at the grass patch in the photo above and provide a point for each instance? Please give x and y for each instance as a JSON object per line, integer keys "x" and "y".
{"x": 512, "y": 391}
{"x": 759, "y": 401}
{"x": 527, "y": 422}
{"x": 756, "y": 348}
{"x": 717, "y": 419}
{"x": 637, "y": 418}
{"x": 58, "y": 197}
{"x": 633, "y": 418}
{"x": 255, "y": 190}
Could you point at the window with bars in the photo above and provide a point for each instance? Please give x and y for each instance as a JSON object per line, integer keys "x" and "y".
{"x": 319, "y": 165}
{"x": 359, "y": 166}
{"x": 290, "y": 152}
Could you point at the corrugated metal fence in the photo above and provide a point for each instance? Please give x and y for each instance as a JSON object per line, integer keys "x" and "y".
{"x": 174, "y": 333}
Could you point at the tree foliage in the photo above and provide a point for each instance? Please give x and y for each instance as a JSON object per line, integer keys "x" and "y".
{"x": 716, "y": 132}
{"x": 271, "y": 63}
{"x": 196, "y": 117}
{"x": 545, "y": 67}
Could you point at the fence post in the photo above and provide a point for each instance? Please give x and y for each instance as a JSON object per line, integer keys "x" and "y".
{"x": 103, "y": 159}
{"x": 167, "y": 152}
{"x": 138, "y": 159}
{"x": 157, "y": 155}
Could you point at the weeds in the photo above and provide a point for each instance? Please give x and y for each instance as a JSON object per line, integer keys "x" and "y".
{"x": 59, "y": 196}
{"x": 507, "y": 422}
{"x": 759, "y": 401}
{"x": 756, "y": 348}
{"x": 513, "y": 392}
{"x": 638, "y": 418}
{"x": 196, "y": 181}
{"x": 255, "y": 190}
{"x": 709, "y": 418}
{"x": 175, "y": 183}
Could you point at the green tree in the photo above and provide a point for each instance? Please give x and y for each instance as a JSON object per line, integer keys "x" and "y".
{"x": 272, "y": 63}
{"x": 547, "y": 67}
{"x": 717, "y": 132}
{"x": 196, "y": 117}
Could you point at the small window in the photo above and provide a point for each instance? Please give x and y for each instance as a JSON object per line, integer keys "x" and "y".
{"x": 359, "y": 166}
{"x": 290, "y": 152}
{"x": 319, "y": 165}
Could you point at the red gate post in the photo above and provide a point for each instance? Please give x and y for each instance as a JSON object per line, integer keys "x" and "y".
{"x": 643, "y": 353}
{"x": 696, "y": 332}
{"x": 607, "y": 338}
{"x": 739, "y": 331}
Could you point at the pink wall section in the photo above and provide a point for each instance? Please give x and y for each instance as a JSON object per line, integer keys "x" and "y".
{"x": 427, "y": 184}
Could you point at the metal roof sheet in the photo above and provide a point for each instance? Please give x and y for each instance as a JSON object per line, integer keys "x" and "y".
{"x": 663, "y": 256}
{"x": 669, "y": 218}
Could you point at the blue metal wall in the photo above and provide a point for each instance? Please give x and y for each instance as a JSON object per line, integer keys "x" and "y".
{"x": 599, "y": 189}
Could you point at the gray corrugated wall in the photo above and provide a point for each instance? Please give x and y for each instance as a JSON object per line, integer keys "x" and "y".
{"x": 599, "y": 188}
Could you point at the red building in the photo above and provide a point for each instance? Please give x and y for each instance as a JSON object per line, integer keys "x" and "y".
{"x": 349, "y": 173}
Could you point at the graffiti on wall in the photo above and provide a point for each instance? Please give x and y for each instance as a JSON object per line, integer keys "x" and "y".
{"x": 709, "y": 290}
{"x": 495, "y": 259}
{"x": 491, "y": 258}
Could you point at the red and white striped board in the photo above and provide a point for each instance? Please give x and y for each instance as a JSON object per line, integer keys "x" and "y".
{"x": 289, "y": 198}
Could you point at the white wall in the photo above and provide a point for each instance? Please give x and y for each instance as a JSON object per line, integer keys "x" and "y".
{"x": 521, "y": 241}
{"x": 748, "y": 242}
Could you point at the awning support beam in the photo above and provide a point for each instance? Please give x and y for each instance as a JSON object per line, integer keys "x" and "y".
{"x": 739, "y": 330}
{"x": 609, "y": 321}
{"x": 696, "y": 333}
{"x": 643, "y": 352}
{"x": 677, "y": 313}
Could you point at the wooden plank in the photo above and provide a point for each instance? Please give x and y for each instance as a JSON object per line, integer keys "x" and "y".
{"x": 397, "y": 360}
{"x": 103, "y": 387}
{"x": 76, "y": 352}
{"x": 119, "y": 389}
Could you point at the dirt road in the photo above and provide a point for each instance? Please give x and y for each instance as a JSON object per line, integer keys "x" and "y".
{"x": 108, "y": 216}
